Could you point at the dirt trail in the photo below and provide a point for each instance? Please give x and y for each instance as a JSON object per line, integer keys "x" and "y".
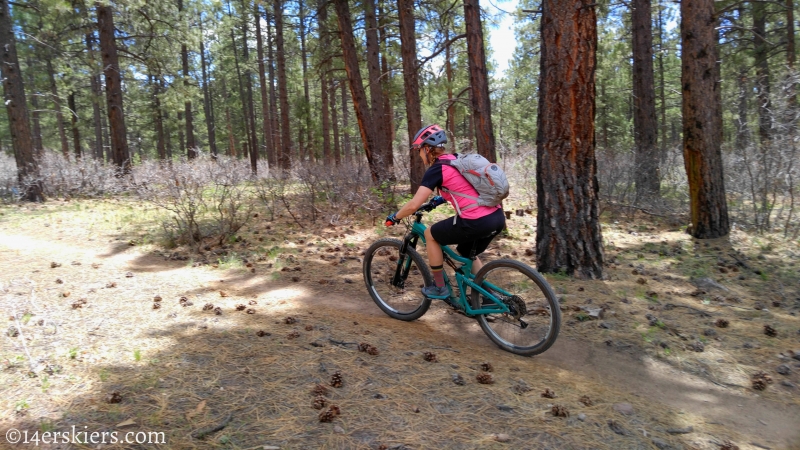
{"x": 769, "y": 424}
{"x": 641, "y": 376}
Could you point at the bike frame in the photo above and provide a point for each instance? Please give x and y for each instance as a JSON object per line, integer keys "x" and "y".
{"x": 463, "y": 273}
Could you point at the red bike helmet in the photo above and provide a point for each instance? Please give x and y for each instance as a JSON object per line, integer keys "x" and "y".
{"x": 431, "y": 135}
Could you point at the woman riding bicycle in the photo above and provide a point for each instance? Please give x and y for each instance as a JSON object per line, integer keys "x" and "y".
{"x": 472, "y": 229}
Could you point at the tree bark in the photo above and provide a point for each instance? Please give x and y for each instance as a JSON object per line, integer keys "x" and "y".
{"x": 283, "y": 90}
{"x": 36, "y": 135}
{"x": 248, "y": 80}
{"x": 348, "y": 155}
{"x": 18, "y": 121}
{"x": 363, "y": 116}
{"x": 337, "y": 157}
{"x": 568, "y": 234}
{"x": 479, "y": 81}
{"x": 307, "y": 105}
{"x": 273, "y": 100}
{"x": 228, "y": 123}
{"x": 326, "y": 122}
{"x": 208, "y": 105}
{"x": 701, "y": 119}
{"x": 262, "y": 78}
{"x": 383, "y": 151}
{"x": 116, "y": 113}
{"x": 94, "y": 81}
{"x": 158, "y": 119}
{"x": 408, "y": 51}
{"x": 242, "y": 98}
{"x": 761, "y": 50}
{"x": 191, "y": 145}
{"x": 645, "y": 127}
{"x": 76, "y": 132}
{"x": 62, "y": 134}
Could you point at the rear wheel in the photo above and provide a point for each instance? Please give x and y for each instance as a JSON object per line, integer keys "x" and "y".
{"x": 534, "y": 320}
{"x": 395, "y": 284}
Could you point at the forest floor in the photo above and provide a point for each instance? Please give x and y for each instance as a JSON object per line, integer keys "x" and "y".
{"x": 690, "y": 330}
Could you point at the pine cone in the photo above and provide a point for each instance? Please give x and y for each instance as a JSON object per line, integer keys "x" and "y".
{"x": 262, "y": 333}
{"x": 320, "y": 402}
{"x": 769, "y": 331}
{"x": 208, "y": 307}
{"x": 250, "y": 311}
{"x": 430, "y": 357}
{"x": 728, "y": 445}
{"x": 293, "y": 335}
{"x": 336, "y": 380}
{"x": 760, "y": 380}
{"x": 487, "y": 367}
{"x": 369, "y": 349}
{"x": 114, "y": 397}
{"x": 586, "y": 400}
{"x": 560, "y": 411}
{"x": 156, "y": 305}
{"x": 721, "y": 323}
{"x": 309, "y": 327}
{"x": 289, "y": 320}
{"x": 330, "y": 414}
{"x": 252, "y": 302}
{"x": 548, "y": 393}
{"x": 319, "y": 390}
{"x": 458, "y": 379}
{"x": 218, "y": 311}
{"x": 240, "y": 307}
{"x": 484, "y": 378}
{"x": 157, "y": 298}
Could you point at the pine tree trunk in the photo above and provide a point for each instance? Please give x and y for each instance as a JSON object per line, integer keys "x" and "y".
{"x": 568, "y": 234}
{"x": 761, "y": 53}
{"x": 701, "y": 119}
{"x": 348, "y": 155}
{"x": 262, "y": 78}
{"x": 386, "y": 80}
{"x": 94, "y": 81}
{"x": 191, "y": 145}
{"x": 479, "y": 81}
{"x": 158, "y": 119}
{"x": 273, "y": 100}
{"x": 76, "y": 132}
{"x": 662, "y": 85}
{"x": 62, "y": 134}
{"x": 337, "y": 157}
{"x": 14, "y": 99}
{"x": 243, "y": 99}
{"x": 307, "y": 109}
{"x": 451, "y": 106}
{"x": 383, "y": 152}
{"x": 36, "y": 137}
{"x": 327, "y": 157}
{"x": 116, "y": 114}
{"x": 208, "y": 106}
{"x": 248, "y": 81}
{"x": 283, "y": 90}
{"x": 408, "y": 51}
{"x": 363, "y": 116}
{"x": 645, "y": 127}
{"x": 228, "y": 123}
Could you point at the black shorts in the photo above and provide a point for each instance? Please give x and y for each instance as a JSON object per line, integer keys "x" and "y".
{"x": 469, "y": 234}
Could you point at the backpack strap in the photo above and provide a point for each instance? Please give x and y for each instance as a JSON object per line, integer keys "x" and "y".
{"x": 453, "y": 194}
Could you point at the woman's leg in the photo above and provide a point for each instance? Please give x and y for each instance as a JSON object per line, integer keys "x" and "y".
{"x": 435, "y": 257}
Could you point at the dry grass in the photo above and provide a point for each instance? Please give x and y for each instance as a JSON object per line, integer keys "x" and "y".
{"x": 182, "y": 370}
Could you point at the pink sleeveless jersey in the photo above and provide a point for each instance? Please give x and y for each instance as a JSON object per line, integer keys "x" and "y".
{"x": 455, "y": 182}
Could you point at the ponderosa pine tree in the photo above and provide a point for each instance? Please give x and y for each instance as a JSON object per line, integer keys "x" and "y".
{"x": 568, "y": 234}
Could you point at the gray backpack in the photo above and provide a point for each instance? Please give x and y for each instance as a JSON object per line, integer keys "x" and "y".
{"x": 486, "y": 177}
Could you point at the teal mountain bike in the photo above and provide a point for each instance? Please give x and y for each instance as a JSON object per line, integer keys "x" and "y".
{"x": 512, "y": 302}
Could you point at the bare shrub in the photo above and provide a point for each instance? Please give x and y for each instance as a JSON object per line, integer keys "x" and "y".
{"x": 9, "y": 190}
{"x": 62, "y": 176}
{"x": 208, "y": 199}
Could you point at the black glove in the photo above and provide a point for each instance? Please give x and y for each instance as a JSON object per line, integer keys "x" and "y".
{"x": 438, "y": 200}
{"x": 391, "y": 219}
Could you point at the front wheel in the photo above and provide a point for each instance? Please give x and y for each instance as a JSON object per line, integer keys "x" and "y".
{"x": 534, "y": 318}
{"x": 394, "y": 282}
